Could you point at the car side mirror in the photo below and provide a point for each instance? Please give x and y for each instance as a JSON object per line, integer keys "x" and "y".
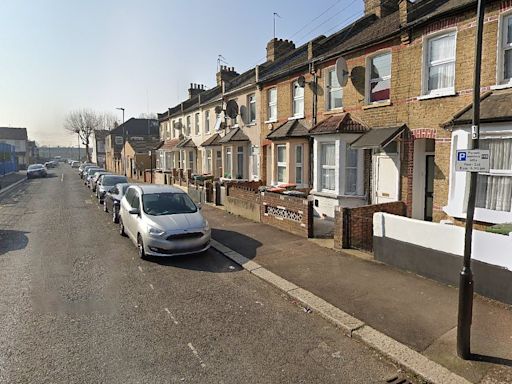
{"x": 134, "y": 211}
{"x": 199, "y": 206}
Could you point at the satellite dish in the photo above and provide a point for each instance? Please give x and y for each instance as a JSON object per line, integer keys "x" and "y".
{"x": 232, "y": 109}
{"x": 301, "y": 81}
{"x": 218, "y": 109}
{"x": 342, "y": 71}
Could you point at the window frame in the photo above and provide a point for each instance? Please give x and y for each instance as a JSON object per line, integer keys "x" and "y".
{"x": 197, "y": 128}
{"x": 296, "y": 114}
{"x": 426, "y": 65}
{"x": 228, "y": 164}
{"x": 251, "y": 99}
{"x": 324, "y": 167}
{"x": 299, "y": 164}
{"x": 328, "y": 107}
{"x": 189, "y": 124}
{"x": 207, "y": 121}
{"x": 281, "y": 164}
{"x": 271, "y": 105}
{"x": 346, "y": 167}
{"x": 368, "y": 81}
{"x": 500, "y": 61}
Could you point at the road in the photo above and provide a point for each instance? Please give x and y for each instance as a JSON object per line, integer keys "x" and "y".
{"x": 78, "y": 306}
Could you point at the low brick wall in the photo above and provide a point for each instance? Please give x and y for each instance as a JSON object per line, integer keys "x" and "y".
{"x": 291, "y": 214}
{"x": 354, "y": 226}
{"x": 244, "y": 201}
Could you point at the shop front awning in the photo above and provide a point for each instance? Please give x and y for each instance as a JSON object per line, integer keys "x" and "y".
{"x": 236, "y": 135}
{"x": 378, "y": 137}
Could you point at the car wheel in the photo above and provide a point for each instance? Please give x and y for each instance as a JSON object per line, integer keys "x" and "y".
{"x": 121, "y": 228}
{"x": 140, "y": 247}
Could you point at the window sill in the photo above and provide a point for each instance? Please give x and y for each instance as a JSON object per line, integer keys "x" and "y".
{"x": 437, "y": 95}
{"x": 333, "y": 195}
{"x": 252, "y": 124}
{"x": 377, "y": 105}
{"x": 501, "y": 86}
{"x": 270, "y": 121}
{"x": 296, "y": 117}
{"x": 334, "y": 111}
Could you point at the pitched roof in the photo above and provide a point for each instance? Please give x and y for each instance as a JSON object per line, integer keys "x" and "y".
{"x": 212, "y": 141}
{"x": 377, "y": 138}
{"x": 236, "y": 134}
{"x": 186, "y": 143}
{"x": 8, "y": 133}
{"x": 143, "y": 146}
{"x": 169, "y": 144}
{"x": 495, "y": 106}
{"x": 137, "y": 127}
{"x": 292, "y": 128}
{"x": 342, "y": 123}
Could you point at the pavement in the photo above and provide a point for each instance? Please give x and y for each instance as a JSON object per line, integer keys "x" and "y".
{"x": 78, "y": 306}
{"x": 7, "y": 181}
{"x": 418, "y": 313}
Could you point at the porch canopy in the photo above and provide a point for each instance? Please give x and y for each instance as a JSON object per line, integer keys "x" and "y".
{"x": 144, "y": 146}
{"x": 292, "y": 128}
{"x": 212, "y": 141}
{"x": 495, "y": 107}
{"x": 236, "y": 135}
{"x": 168, "y": 145}
{"x": 185, "y": 143}
{"x": 378, "y": 137}
{"x": 342, "y": 123}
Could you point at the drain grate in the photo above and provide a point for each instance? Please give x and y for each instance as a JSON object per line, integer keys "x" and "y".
{"x": 398, "y": 380}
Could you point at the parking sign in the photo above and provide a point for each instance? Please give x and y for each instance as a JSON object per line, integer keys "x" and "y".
{"x": 472, "y": 160}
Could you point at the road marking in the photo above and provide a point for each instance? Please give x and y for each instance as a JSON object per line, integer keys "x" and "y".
{"x": 62, "y": 178}
{"x": 140, "y": 268}
{"x": 172, "y": 317}
{"x": 151, "y": 285}
{"x": 194, "y": 351}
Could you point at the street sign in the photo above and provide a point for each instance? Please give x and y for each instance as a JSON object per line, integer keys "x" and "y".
{"x": 472, "y": 160}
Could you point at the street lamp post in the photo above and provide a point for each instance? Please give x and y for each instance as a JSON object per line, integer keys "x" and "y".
{"x": 124, "y": 140}
{"x": 78, "y": 140}
{"x": 466, "y": 284}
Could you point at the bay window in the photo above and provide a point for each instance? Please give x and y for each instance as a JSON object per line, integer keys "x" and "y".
{"x": 439, "y": 72}
{"x": 281, "y": 163}
{"x": 208, "y": 162}
{"x": 334, "y": 91}
{"x": 379, "y": 79}
{"x": 298, "y": 100}
{"x": 299, "y": 164}
{"x": 227, "y": 165}
{"x": 272, "y": 104}
{"x": 494, "y": 189}
{"x": 240, "y": 162}
{"x": 351, "y": 160}
{"x": 328, "y": 167}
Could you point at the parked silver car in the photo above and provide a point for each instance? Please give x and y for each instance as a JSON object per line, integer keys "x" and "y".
{"x": 106, "y": 182}
{"x": 90, "y": 173}
{"x": 95, "y": 177}
{"x": 163, "y": 221}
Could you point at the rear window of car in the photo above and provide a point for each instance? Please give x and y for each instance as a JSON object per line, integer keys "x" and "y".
{"x": 35, "y": 166}
{"x": 113, "y": 180}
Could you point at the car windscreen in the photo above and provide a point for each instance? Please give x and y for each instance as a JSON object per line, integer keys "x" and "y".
{"x": 91, "y": 172}
{"x": 113, "y": 180}
{"x": 35, "y": 167}
{"x": 124, "y": 188}
{"x": 167, "y": 203}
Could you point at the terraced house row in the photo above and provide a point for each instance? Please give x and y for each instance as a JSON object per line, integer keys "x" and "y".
{"x": 389, "y": 134}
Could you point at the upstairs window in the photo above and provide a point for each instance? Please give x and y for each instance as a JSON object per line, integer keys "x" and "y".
{"x": 251, "y": 106}
{"x": 196, "y": 124}
{"x": 298, "y": 100}
{"x": 207, "y": 121}
{"x": 189, "y": 118}
{"x": 440, "y": 64}
{"x": 505, "y": 72}
{"x": 334, "y": 91}
{"x": 272, "y": 104}
{"x": 379, "y": 82}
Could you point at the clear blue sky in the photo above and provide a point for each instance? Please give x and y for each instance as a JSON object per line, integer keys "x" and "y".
{"x": 60, "y": 55}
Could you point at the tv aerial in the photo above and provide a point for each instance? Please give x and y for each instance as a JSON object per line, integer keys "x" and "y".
{"x": 342, "y": 73}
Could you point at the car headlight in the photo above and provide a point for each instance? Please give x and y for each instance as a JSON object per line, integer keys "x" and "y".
{"x": 155, "y": 231}
{"x": 206, "y": 226}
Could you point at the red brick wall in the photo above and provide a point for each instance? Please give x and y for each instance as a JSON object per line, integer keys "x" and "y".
{"x": 354, "y": 226}
{"x": 291, "y": 214}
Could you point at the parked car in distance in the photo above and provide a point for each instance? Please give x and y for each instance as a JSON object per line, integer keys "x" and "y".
{"x": 94, "y": 178}
{"x": 36, "y": 170}
{"x": 106, "y": 182}
{"x": 50, "y": 164}
{"x": 75, "y": 164}
{"x": 90, "y": 173}
{"x": 83, "y": 168}
{"x": 163, "y": 221}
{"x": 112, "y": 199}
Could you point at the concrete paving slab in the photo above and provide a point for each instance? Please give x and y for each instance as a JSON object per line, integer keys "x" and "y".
{"x": 273, "y": 279}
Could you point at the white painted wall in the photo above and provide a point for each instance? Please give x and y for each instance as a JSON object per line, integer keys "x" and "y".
{"x": 487, "y": 247}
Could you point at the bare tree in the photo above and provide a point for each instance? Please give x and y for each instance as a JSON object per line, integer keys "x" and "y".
{"x": 83, "y": 122}
{"x": 108, "y": 121}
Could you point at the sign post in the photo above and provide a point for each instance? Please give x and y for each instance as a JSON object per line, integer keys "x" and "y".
{"x": 466, "y": 160}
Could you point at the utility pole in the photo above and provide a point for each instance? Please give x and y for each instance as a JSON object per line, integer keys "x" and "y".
{"x": 466, "y": 285}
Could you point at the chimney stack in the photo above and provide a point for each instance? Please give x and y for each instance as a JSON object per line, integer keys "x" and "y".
{"x": 380, "y": 8}
{"x": 277, "y": 48}
{"x": 226, "y": 74}
{"x": 195, "y": 89}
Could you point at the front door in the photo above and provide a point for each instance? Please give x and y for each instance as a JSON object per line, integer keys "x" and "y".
{"x": 429, "y": 187}
{"x": 387, "y": 173}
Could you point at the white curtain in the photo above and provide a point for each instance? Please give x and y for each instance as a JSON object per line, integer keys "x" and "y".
{"x": 328, "y": 158}
{"x": 442, "y": 62}
{"x": 494, "y": 191}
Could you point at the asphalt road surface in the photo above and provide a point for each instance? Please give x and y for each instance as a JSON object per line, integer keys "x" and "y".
{"x": 78, "y": 306}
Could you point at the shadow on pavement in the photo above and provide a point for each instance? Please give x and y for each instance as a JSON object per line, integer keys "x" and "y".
{"x": 243, "y": 244}
{"x": 491, "y": 359}
{"x": 12, "y": 240}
